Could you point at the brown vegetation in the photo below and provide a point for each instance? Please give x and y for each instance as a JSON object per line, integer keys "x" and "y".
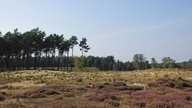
{"x": 137, "y": 89}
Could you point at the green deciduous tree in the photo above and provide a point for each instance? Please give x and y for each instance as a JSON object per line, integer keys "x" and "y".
{"x": 80, "y": 62}
{"x": 167, "y": 62}
{"x": 139, "y": 61}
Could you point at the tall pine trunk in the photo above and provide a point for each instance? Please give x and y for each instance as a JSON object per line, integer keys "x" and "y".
{"x": 72, "y": 60}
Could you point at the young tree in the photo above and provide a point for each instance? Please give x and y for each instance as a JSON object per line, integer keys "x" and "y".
{"x": 139, "y": 61}
{"x": 80, "y": 62}
{"x": 154, "y": 63}
{"x": 83, "y": 45}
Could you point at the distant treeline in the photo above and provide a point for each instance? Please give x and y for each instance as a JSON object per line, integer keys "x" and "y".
{"x": 139, "y": 62}
{"x": 34, "y": 49}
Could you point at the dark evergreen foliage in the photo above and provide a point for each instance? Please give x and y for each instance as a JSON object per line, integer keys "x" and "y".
{"x": 35, "y": 50}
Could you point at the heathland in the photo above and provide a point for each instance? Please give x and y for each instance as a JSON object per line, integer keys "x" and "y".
{"x": 153, "y": 88}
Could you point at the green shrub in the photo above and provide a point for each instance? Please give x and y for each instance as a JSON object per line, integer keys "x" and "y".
{"x": 79, "y": 80}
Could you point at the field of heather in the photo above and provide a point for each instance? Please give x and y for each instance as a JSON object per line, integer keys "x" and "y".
{"x": 154, "y": 88}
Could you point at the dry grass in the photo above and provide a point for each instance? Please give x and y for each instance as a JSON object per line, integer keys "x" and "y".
{"x": 52, "y": 89}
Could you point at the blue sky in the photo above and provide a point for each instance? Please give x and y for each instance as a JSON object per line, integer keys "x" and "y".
{"x": 155, "y": 28}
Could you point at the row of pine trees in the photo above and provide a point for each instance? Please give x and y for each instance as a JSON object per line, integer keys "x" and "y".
{"x": 33, "y": 49}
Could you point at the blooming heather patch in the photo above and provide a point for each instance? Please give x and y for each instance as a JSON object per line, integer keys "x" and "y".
{"x": 154, "y": 99}
{"x": 179, "y": 83}
{"x": 122, "y": 88}
{"x": 38, "y": 93}
{"x": 135, "y": 88}
{"x": 64, "y": 89}
{"x": 22, "y": 95}
{"x": 100, "y": 96}
{"x": 162, "y": 82}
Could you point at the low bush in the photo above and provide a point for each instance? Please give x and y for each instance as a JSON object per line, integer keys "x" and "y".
{"x": 51, "y": 92}
{"x": 63, "y": 89}
{"x": 69, "y": 95}
{"x": 100, "y": 86}
{"x": 135, "y": 88}
{"x": 79, "y": 80}
{"x": 37, "y": 95}
{"x": 119, "y": 83}
{"x": 96, "y": 95}
{"x": 184, "y": 84}
{"x": 106, "y": 83}
{"x": 122, "y": 88}
{"x": 81, "y": 88}
{"x": 2, "y": 97}
{"x": 59, "y": 98}
{"x": 188, "y": 89}
{"x": 179, "y": 83}
{"x": 113, "y": 103}
{"x": 3, "y": 93}
{"x": 21, "y": 95}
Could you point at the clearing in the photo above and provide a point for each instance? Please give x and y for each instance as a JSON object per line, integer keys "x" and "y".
{"x": 154, "y": 88}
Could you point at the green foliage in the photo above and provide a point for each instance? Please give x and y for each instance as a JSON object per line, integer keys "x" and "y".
{"x": 34, "y": 49}
{"x": 83, "y": 45}
{"x": 73, "y": 41}
{"x": 166, "y": 76}
{"x": 80, "y": 63}
{"x": 79, "y": 80}
{"x": 107, "y": 63}
{"x": 140, "y": 62}
{"x": 167, "y": 62}
{"x": 154, "y": 63}
{"x": 119, "y": 66}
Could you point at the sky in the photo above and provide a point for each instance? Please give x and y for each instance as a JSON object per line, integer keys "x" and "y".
{"x": 122, "y": 28}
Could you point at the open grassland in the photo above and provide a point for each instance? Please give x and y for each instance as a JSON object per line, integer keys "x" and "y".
{"x": 155, "y": 88}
